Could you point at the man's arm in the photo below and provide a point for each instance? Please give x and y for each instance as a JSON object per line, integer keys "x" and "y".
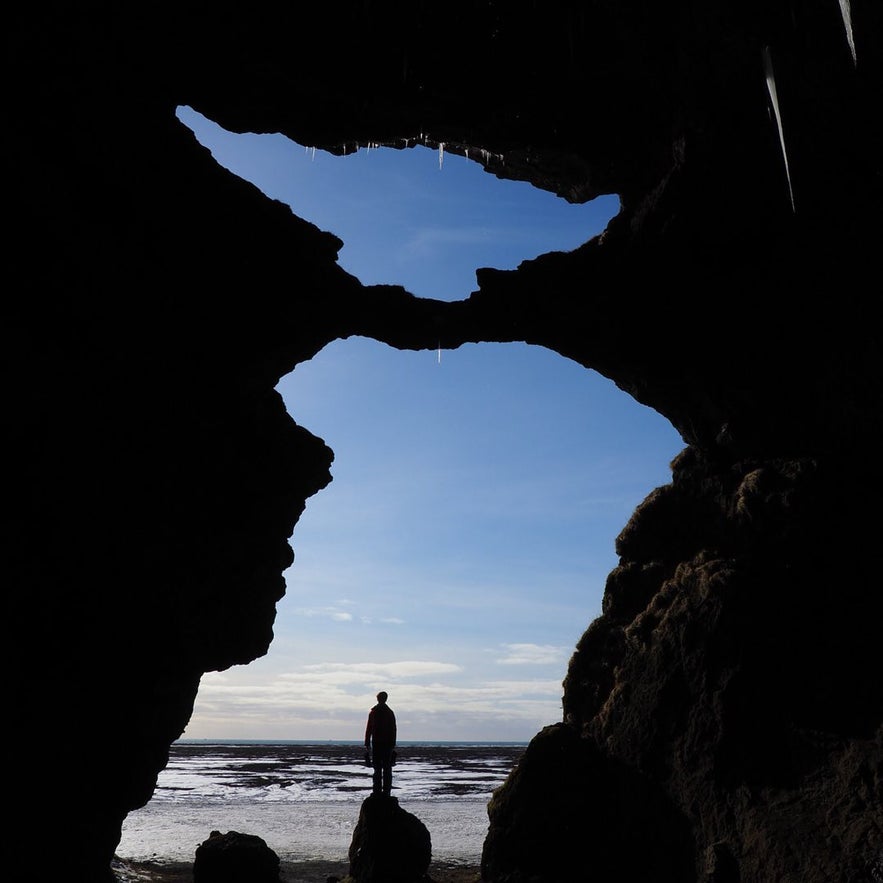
{"x": 369, "y": 728}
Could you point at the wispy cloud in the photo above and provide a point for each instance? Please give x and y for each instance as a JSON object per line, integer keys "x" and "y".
{"x": 533, "y": 654}
{"x": 330, "y": 700}
{"x": 429, "y": 238}
{"x": 333, "y": 613}
{"x": 403, "y": 669}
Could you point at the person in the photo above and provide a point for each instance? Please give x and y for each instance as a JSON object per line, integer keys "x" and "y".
{"x": 380, "y": 743}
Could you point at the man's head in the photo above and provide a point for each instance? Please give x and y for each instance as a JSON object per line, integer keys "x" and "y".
{"x": 381, "y": 697}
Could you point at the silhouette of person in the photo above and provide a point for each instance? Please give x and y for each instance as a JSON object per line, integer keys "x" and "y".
{"x": 380, "y": 743}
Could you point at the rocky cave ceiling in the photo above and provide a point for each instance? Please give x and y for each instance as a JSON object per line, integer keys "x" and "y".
{"x": 153, "y": 477}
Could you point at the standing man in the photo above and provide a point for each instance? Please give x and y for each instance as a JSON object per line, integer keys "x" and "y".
{"x": 380, "y": 741}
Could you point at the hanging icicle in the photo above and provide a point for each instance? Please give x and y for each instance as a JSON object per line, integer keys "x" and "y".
{"x": 846, "y": 12}
{"x": 441, "y": 154}
{"x": 771, "y": 86}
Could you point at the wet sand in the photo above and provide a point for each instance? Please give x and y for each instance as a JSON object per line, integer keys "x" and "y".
{"x": 289, "y": 872}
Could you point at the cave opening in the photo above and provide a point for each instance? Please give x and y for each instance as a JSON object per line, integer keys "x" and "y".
{"x": 464, "y": 542}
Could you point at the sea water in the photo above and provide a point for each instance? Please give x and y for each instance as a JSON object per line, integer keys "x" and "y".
{"x": 303, "y": 798}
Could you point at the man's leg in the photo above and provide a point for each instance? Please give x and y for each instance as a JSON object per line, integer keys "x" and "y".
{"x": 387, "y": 774}
{"x": 378, "y": 774}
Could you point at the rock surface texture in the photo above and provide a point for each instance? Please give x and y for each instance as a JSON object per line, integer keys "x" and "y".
{"x": 722, "y": 718}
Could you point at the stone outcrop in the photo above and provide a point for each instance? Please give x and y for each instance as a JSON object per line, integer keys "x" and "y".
{"x": 728, "y": 699}
{"x": 235, "y": 858}
{"x": 711, "y": 711}
{"x": 389, "y": 845}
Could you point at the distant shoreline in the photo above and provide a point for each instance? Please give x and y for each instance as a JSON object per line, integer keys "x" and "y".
{"x": 441, "y": 743}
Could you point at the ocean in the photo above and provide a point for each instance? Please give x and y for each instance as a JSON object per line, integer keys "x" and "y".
{"x": 303, "y": 798}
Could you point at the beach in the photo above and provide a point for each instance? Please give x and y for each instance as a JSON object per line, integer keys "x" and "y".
{"x": 303, "y": 800}
{"x": 289, "y": 872}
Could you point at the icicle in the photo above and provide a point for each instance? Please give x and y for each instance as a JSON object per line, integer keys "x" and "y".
{"x": 313, "y": 154}
{"x": 439, "y": 352}
{"x": 441, "y": 154}
{"x": 846, "y": 12}
{"x": 771, "y": 86}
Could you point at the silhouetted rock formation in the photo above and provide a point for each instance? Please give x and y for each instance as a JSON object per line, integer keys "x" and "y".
{"x": 389, "y": 844}
{"x": 730, "y": 692}
{"x": 235, "y": 858}
{"x": 547, "y": 828}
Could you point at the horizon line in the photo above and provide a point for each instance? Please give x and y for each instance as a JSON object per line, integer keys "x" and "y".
{"x": 210, "y": 739}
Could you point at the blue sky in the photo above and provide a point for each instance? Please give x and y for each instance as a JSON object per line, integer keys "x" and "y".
{"x": 464, "y": 542}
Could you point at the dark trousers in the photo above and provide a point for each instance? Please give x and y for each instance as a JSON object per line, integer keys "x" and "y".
{"x": 382, "y": 761}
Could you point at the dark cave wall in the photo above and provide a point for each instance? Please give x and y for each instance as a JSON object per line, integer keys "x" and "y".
{"x": 726, "y": 704}
{"x": 721, "y": 720}
{"x": 153, "y": 476}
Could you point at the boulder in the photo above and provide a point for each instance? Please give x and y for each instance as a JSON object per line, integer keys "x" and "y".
{"x": 389, "y": 845}
{"x": 235, "y": 858}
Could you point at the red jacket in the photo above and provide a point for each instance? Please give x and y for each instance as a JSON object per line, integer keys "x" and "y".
{"x": 381, "y": 728}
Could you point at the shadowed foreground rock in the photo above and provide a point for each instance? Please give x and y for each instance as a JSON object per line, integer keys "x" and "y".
{"x": 389, "y": 845}
{"x": 553, "y": 831}
{"x": 235, "y": 858}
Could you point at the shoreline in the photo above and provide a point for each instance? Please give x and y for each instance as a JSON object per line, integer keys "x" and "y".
{"x": 315, "y": 871}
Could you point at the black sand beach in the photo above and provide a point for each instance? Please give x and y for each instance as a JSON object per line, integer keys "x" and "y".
{"x": 290, "y": 872}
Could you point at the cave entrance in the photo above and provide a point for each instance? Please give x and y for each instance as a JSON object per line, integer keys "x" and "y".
{"x": 464, "y": 542}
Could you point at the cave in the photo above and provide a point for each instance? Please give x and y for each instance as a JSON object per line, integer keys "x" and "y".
{"x": 721, "y": 719}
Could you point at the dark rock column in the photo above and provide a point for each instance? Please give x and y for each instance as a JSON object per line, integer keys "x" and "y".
{"x": 389, "y": 844}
